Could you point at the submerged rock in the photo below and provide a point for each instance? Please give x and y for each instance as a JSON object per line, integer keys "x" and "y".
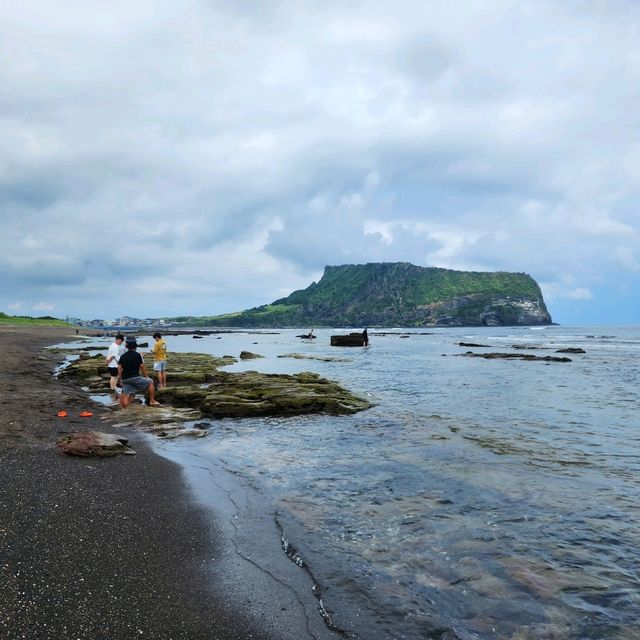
{"x": 571, "y": 350}
{"x": 94, "y": 444}
{"x": 178, "y": 433}
{"x": 300, "y": 356}
{"x": 153, "y": 419}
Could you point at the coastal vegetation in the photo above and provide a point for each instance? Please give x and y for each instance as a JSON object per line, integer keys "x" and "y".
{"x": 48, "y": 321}
{"x": 397, "y": 294}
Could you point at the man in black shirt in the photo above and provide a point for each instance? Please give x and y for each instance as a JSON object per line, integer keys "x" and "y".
{"x": 129, "y": 368}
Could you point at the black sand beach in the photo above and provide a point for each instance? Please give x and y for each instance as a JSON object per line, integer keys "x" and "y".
{"x": 109, "y": 548}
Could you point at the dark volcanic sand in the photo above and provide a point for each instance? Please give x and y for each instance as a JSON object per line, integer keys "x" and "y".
{"x": 100, "y": 548}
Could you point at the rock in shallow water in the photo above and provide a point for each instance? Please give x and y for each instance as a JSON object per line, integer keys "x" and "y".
{"x": 196, "y": 383}
{"x": 247, "y": 355}
{"x": 251, "y": 393}
{"x": 182, "y": 433}
{"x": 300, "y": 356}
{"x": 514, "y": 356}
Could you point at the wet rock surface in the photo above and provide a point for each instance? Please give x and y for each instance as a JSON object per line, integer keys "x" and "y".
{"x": 530, "y": 347}
{"x": 183, "y": 368}
{"x": 197, "y": 388}
{"x": 349, "y": 340}
{"x": 514, "y": 356}
{"x": 94, "y": 444}
{"x": 260, "y": 394}
{"x": 247, "y": 355}
{"x": 300, "y": 356}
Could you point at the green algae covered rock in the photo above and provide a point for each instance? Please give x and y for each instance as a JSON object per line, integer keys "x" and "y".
{"x": 195, "y": 382}
{"x": 250, "y": 393}
{"x": 182, "y": 368}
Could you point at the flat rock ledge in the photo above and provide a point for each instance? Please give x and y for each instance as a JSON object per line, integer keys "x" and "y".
{"x": 300, "y": 356}
{"x": 239, "y": 395}
{"x": 94, "y": 444}
{"x": 514, "y": 356}
{"x": 196, "y": 389}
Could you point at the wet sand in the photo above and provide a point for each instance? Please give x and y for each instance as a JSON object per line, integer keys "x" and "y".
{"x": 110, "y": 548}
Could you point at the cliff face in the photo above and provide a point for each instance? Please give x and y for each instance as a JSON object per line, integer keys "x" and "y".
{"x": 401, "y": 294}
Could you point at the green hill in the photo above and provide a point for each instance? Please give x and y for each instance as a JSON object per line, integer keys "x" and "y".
{"x": 398, "y": 294}
{"x": 28, "y": 320}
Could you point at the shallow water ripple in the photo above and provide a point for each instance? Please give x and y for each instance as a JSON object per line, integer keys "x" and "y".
{"x": 483, "y": 499}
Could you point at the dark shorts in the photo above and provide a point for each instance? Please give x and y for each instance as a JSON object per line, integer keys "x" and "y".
{"x": 113, "y": 371}
{"x": 135, "y": 384}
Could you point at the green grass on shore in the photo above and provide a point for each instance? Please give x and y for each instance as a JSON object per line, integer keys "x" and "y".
{"x": 45, "y": 321}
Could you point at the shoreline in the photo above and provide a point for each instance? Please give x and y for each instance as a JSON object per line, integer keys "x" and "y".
{"x": 256, "y": 550}
{"x": 117, "y": 547}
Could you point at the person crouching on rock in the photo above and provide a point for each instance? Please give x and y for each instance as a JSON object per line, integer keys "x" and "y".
{"x": 129, "y": 367}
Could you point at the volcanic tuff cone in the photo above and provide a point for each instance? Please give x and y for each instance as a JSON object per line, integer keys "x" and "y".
{"x": 399, "y": 294}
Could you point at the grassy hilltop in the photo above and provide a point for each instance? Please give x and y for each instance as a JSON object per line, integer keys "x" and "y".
{"x": 398, "y": 294}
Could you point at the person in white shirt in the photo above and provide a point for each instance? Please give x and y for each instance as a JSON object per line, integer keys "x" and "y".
{"x": 116, "y": 349}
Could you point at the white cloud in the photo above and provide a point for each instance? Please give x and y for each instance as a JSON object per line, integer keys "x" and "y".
{"x": 564, "y": 289}
{"x": 382, "y": 229}
{"x": 224, "y": 155}
{"x": 44, "y": 307}
{"x": 580, "y": 293}
{"x": 626, "y": 258}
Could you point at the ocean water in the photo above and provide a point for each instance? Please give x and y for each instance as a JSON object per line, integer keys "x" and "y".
{"x": 478, "y": 499}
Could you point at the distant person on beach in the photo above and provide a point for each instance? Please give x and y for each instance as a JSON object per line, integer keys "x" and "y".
{"x": 365, "y": 338}
{"x": 160, "y": 359}
{"x": 129, "y": 368}
{"x": 116, "y": 349}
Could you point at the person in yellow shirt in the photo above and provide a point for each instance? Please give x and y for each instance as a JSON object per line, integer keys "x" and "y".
{"x": 160, "y": 359}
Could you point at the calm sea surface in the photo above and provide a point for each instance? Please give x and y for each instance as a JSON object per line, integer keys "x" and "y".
{"x": 483, "y": 498}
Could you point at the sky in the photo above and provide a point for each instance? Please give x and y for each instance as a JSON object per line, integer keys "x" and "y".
{"x": 176, "y": 157}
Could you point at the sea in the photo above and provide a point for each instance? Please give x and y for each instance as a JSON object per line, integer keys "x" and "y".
{"x": 477, "y": 499}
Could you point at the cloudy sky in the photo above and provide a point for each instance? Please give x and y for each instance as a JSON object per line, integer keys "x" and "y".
{"x": 174, "y": 157}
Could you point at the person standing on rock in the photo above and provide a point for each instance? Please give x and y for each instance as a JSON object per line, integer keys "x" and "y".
{"x": 365, "y": 338}
{"x": 129, "y": 368}
{"x": 160, "y": 359}
{"x": 116, "y": 349}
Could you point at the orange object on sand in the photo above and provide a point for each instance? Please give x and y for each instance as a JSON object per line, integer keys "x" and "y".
{"x": 85, "y": 414}
{"x": 62, "y": 414}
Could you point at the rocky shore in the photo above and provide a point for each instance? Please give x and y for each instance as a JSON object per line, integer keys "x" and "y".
{"x": 110, "y": 548}
{"x": 196, "y": 389}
